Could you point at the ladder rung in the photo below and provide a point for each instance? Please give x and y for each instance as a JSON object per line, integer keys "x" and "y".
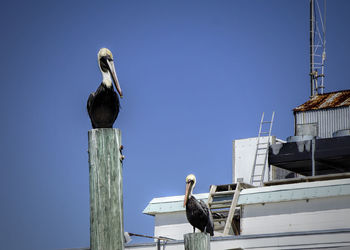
{"x": 224, "y": 192}
{"x": 259, "y": 164}
{"x": 220, "y": 202}
{"x": 261, "y": 153}
{"x": 219, "y": 220}
{"x": 263, "y": 143}
{"x": 217, "y": 206}
{"x": 219, "y": 228}
{"x": 258, "y": 169}
{"x": 266, "y": 122}
{"x": 264, "y": 133}
{"x": 220, "y": 211}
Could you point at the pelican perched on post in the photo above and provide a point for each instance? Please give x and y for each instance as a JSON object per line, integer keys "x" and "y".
{"x": 197, "y": 212}
{"x": 103, "y": 105}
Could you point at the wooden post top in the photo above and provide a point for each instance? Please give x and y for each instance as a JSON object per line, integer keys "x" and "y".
{"x": 195, "y": 241}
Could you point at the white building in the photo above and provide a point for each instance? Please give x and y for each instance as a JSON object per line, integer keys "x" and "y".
{"x": 314, "y": 213}
{"x": 297, "y": 213}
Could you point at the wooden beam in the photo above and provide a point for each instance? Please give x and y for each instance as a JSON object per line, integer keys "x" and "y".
{"x": 231, "y": 213}
{"x": 195, "y": 241}
{"x": 211, "y": 192}
{"x": 106, "y": 189}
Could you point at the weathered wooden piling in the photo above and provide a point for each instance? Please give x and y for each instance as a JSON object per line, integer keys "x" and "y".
{"x": 196, "y": 241}
{"x": 106, "y": 189}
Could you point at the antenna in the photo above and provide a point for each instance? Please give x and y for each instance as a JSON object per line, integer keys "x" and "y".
{"x": 317, "y": 46}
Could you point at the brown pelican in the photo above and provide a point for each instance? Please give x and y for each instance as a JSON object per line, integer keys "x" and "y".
{"x": 103, "y": 105}
{"x": 197, "y": 212}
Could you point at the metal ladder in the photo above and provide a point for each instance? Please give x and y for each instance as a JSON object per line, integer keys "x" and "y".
{"x": 262, "y": 149}
{"x": 222, "y": 202}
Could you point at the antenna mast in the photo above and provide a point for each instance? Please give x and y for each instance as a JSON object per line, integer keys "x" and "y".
{"x": 312, "y": 36}
{"x": 317, "y": 47}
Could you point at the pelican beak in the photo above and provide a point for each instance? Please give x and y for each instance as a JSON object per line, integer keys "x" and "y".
{"x": 115, "y": 78}
{"x": 188, "y": 191}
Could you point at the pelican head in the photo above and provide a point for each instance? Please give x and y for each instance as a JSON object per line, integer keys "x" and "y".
{"x": 105, "y": 62}
{"x": 190, "y": 183}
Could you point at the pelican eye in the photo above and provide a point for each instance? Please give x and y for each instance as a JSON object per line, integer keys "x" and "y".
{"x": 103, "y": 63}
{"x": 109, "y": 58}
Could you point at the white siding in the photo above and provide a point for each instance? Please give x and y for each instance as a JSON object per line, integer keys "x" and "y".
{"x": 296, "y": 216}
{"x": 318, "y": 240}
{"x": 172, "y": 225}
{"x": 287, "y": 216}
{"x": 243, "y": 158}
{"x": 328, "y": 120}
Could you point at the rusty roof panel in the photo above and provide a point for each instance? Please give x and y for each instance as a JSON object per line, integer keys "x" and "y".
{"x": 325, "y": 101}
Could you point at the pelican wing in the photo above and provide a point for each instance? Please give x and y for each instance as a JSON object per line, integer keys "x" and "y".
{"x": 89, "y": 103}
{"x": 89, "y": 107}
{"x": 210, "y": 224}
{"x": 204, "y": 207}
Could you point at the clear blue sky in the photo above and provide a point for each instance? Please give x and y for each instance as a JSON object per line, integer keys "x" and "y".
{"x": 195, "y": 76}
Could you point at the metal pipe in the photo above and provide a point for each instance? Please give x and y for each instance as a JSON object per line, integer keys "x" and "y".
{"x": 313, "y": 145}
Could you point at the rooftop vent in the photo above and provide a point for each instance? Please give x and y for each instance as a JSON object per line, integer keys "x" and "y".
{"x": 342, "y": 132}
{"x": 298, "y": 138}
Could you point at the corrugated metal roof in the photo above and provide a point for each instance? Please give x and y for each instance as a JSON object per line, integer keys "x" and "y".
{"x": 325, "y": 101}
